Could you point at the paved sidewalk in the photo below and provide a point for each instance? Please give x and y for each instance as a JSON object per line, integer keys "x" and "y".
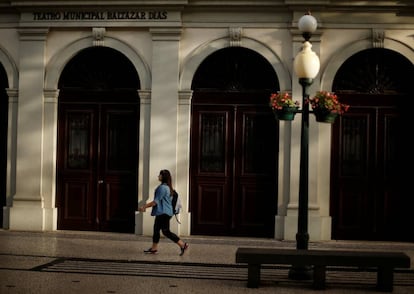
{"x": 89, "y": 262}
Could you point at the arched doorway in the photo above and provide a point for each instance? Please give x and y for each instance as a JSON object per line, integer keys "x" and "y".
{"x": 4, "y": 108}
{"x": 371, "y": 150}
{"x": 234, "y": 146}
{"x": 98, "y": 115}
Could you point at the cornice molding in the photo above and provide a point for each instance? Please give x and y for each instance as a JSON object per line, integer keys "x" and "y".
{"x": 400, "y": 8}
{"x": 94, "y": 3}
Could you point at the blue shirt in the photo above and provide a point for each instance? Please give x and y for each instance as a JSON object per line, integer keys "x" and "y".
{"x": 162, "y": 198}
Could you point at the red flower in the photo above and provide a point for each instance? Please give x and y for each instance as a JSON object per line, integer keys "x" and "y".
{"x": 327, "y": 101}
{"x": 278, "y": 101}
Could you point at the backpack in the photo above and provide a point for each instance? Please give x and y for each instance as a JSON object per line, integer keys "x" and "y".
{"x": 176, "y": 204}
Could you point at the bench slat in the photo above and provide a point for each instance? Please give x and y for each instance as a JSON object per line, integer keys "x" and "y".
{"x": 329, "y": 258}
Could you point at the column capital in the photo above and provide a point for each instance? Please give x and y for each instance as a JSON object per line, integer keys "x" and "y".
{"x": 166, "y": 34}
{"x": 145, "y": 96}
{"x": 33, "y": 34}
{"x": 185, "y": 96}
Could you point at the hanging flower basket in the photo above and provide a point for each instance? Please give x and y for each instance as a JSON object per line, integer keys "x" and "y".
{"x": 286, "y": 113}
{"x": 326, "y": 107}
{"x": 283, "y": 106}
{"x": 324, "y": 116}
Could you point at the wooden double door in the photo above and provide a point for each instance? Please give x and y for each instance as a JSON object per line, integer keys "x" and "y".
{"x": 97, "y": 166}
{"x": 370, "y": 198}
{"x": 234, "y": 151}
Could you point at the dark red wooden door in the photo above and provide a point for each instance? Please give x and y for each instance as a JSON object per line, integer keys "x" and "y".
{"x": 4, "y": 109}
{"x": 97, "y": 166}
{"x": 233, "y": 170}
{"x": 369, "y": 200}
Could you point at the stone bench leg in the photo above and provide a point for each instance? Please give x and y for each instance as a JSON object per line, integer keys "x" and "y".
{"x": 385, "y": 279}
{"x": 319, "y": 277}
{"x": 253, "y": 275}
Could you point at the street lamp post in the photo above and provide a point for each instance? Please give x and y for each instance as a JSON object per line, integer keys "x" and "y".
{"x": 306, "y": 66}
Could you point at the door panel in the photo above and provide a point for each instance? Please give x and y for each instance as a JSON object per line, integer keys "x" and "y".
{"x": 255, "y": 170}
{"x": 118, "y": 168}
{"x": 211, "y": 181}
{"x": 233, "y": 168}
{"x": 97, "y": 167}
{"x": 368, "y": 168}
{"x": 76, "y": 206}
{"x": 77, "y": 176}
{"x": 354, "y": 173}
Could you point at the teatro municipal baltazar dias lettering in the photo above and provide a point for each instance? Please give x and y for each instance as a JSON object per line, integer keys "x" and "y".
{"x": 100, "y": 15}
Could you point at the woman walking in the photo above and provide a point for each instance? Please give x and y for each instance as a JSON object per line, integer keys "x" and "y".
{"x": 163, "y": 211}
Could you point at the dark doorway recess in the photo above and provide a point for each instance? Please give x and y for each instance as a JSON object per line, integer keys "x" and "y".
{"x": 372, "y": 151}
{"x": 4, "y": 114}
{"x": 234, "y": 146}
{"x": 98, "y": 115}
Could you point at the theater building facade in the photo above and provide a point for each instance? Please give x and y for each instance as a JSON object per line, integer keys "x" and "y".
{"x": 97, "y": 97}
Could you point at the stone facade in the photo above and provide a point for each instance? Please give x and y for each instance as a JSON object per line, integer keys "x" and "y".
{"x": 166, "y": 41}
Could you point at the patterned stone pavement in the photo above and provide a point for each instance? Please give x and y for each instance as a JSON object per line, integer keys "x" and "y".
{"x": 88, "y": 262}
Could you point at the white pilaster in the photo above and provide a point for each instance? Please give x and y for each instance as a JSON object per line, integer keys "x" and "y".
{"x": 143, "y": 162}
{"x": 319, "y": 224}
{"x": 11, "y": 154}
{"x": 164, "y": 109}
{"x": 285, "y": 143}
{"x": 183, "y": 159}
{"x": 27, "y": 211}
{"x": 48, "y": 188}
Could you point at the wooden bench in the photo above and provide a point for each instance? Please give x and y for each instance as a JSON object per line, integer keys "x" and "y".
{"x": 384, "y": 262}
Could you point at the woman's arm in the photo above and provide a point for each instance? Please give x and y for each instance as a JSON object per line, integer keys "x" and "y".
{"x": 147, "y": 205}
{"x": 157, "y": 198}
